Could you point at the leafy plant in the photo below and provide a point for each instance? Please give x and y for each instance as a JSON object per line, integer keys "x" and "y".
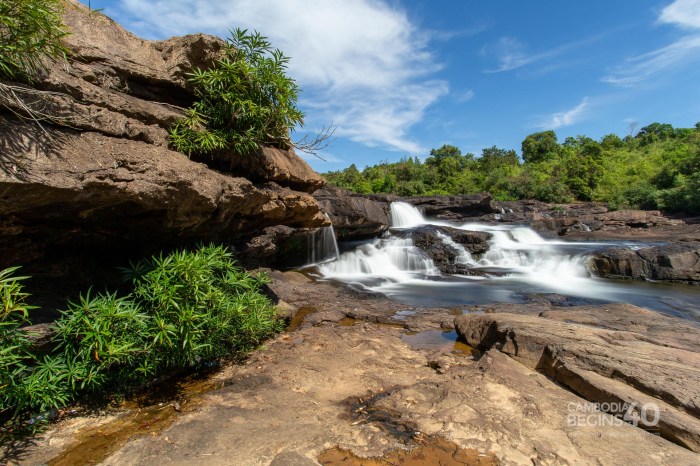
{"x": 202, "y": 306}
{"x": 102, "y": 338}
{"x": 15, "y": 360}
{"x": 244, "y": 100}
{"x": 186, "y": 307}
{"x": 31, "y": 31}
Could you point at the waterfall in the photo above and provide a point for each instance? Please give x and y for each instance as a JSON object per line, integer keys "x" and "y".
{"x": 323, "y": 245}
{"x": 395, "y": 259}
{"x": 463, "y": 257}
{"x": 404, "y": 215}
{"x": 518, "y": 264}
{"x": 514, "y": 250}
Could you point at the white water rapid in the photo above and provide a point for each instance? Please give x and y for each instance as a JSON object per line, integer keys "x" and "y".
{"x": 518, "y": 265}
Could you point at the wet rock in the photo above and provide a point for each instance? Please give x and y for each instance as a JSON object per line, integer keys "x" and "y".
{"x": 353, "y": 216}
{"x": 453, "y": 207}
{"x": 446, "y": 256}
{"x": 678, "y": 262}
{"x": 622, "y": 355}
{"x": 279, "y": 246}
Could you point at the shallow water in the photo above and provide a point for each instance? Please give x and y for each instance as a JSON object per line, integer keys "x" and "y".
{"x": 518, "y": 265}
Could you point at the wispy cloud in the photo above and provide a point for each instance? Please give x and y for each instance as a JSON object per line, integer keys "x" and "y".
{"x": 362, "y": 64}
{"x": 684, "y": 14}
{"x": 465, "y": 96}
{"x": 638, "y": 69}
{"x": 473, "y": 30}
{"x": 512, "y": 54}
{"x": 565, "y": 118}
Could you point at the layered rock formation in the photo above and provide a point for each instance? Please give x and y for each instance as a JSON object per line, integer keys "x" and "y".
{"x": 594, "y": 221}
{"x": 677, "y": 262}
{"x": 354, "y": 216}
{"x": 614, "y": 355}
{"x": 104, "y": 181}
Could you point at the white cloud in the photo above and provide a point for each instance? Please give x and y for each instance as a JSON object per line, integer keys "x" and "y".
{"x": 682, "y": 13}
{"x": 362, "y": 64}
{"x": 665, "y": 59}
{"x": 567, "y": 117}
{"x": 510, "y": 53}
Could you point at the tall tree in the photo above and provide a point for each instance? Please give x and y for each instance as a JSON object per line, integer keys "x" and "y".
{"x": 539, "y": 147}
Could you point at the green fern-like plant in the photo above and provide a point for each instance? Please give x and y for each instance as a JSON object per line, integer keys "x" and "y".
{"x": 245, "y": 99}
{"x": 31, "y": 31}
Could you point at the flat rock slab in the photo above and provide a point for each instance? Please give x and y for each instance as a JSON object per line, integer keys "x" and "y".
{"x": 607, "y": 354}
{"x": 362, "y": 388}
{"x": 298, "y": 395}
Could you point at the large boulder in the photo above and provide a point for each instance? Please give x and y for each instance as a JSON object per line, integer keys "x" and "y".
{"x": 452, "y": 250}
{"x": 353, "y": 216}
{"x": 453, "y": 207}
{"x": 678, "y": 262}
{"x": 614, "y": 355}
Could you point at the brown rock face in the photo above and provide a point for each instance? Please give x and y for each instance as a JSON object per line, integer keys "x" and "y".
{"x": 353, "y": 216}
{"x": 671, "y": 262}
{"x": 86, "y": 189}
{"x": 607, "y": 354}
{"x": 106, "y": 182}
{"x": 280, "y": 166}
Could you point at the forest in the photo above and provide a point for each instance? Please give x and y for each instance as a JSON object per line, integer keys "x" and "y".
{"x": 657, "y": 168}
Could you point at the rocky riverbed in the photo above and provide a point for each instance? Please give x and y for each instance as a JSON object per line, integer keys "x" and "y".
{"x": 362, "y": 376}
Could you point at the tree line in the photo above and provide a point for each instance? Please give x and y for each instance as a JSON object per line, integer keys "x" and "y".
{"x": 658, "y": 168}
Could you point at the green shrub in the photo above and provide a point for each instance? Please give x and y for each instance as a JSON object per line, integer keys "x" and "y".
{"x": 186, "y": 307}
{"x": 244, "y": 100}
{"x": 202, "y": 306}
{"x": 15, "y": 359}
{"x": 30, "y": 32}
{"x": 103, "y": 339}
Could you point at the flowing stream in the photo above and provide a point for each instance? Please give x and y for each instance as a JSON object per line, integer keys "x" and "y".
{"x": 518, "y": 266}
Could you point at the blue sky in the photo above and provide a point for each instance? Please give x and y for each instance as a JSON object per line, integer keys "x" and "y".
{"x": 400, "y": 77}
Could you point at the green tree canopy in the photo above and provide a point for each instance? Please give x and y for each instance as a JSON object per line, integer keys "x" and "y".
{"x": 539, "y": 147}
{"x": 446, "y": 151}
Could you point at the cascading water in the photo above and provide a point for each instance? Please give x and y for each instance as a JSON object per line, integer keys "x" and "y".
{"x": 404, "y": 215}
{"x": 518, "y": 263}
{"x": 463, "y": 257}
{"x": 323, "y": 245}
{"x": 394, "y": 259}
